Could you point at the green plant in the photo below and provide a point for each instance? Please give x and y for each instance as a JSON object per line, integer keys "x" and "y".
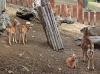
{"x": 92, "y": 0}
{"x": 98, "y": 0}
{"x": 92, "y": 7}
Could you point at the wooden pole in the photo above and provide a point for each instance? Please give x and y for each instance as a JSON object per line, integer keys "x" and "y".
{"x": 55, "y": 26}
{"x": 50, "y": 25}
{"x": 80, "y": 4}
{"x": 47, "y": 29}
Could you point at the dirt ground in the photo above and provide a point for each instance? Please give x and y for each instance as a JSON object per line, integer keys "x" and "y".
{"x": 36, "y": 57}
{"x": 95, "y": 4}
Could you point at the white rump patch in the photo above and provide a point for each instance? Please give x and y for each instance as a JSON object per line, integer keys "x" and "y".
{"x": 28, "y": 23}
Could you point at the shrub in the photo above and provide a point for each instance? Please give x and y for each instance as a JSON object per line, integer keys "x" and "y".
{"x": 92, "y": 0}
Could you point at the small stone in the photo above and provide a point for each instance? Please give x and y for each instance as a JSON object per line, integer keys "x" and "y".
{"x": 59, "y": 69}
{"x": 10, "y": 72}
{"x": 21, "y": 54}
{"x": 34, "y": 31}
{"x": 40, "y": 54}
{"x": 25, "y": 68}
{"x": 6, "y": 46}
{"x": 33, "y": 36}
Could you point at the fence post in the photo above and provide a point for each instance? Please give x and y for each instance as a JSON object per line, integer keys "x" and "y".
{"x": 86, "y": 18}
{"x": 92, "y": 18}
{"x": 57, "y": 8}
{"x": 75, "y": 11}
{"x": 98, "y": 19}
{"x": 52, "y": 2}
{"x": 80, "y": 15}
{"x": 69, "y": 11}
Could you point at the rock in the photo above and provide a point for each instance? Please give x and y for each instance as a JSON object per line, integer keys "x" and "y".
{"x": 25, "y": 68}
{"x": 68, "y": 20}
{"x": 59, "y": 69}
{"x": 6, "y": 46}
{"x": 93, "y": 31}
{"x": 10, "y": 72}
{"x": 60, "y": 20}
{"x": 4, "y": 21}
{"x": 32, "y": 36}
{"x": 21, "y": 54}
{"x": 27, "y": 14}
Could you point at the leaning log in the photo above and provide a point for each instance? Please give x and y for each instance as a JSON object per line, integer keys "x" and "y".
{"x": 47, "y": 28}
{"x": 49, "y": 24}
{"x": 54, "y": 25}
{"x": 50, "y": 32}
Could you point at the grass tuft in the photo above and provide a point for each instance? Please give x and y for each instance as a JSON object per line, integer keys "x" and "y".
{"x": 94, "y": 8}
{"x": 92, "y": 0}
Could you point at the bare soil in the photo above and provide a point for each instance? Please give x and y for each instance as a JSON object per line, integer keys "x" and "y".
{"x": 36, "y": 57}
{"x": 95, "y": 4}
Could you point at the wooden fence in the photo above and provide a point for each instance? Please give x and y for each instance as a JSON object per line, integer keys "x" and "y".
{"x": 76, "y": 11}
{"x": 27, "y": 3}
{"x": 71, "y": 10}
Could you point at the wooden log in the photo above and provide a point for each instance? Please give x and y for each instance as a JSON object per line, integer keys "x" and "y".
{"x": 58, "y": 34}
{"x": 43, "y": 24}
{"x": 55, "y": 26}
{"x": 45, "y": 3}
{"x": 49, "y": 28}
{"x": 52, "y": 27}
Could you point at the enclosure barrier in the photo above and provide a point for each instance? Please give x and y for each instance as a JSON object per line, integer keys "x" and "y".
{"x": 71, "y": 10}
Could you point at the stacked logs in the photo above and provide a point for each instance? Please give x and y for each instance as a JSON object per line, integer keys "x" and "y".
{"x": 49, "y": 24}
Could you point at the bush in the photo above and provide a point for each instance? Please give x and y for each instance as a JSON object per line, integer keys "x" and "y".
{"x": 92, "y": 0}
{"x": 98, "y": 0}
